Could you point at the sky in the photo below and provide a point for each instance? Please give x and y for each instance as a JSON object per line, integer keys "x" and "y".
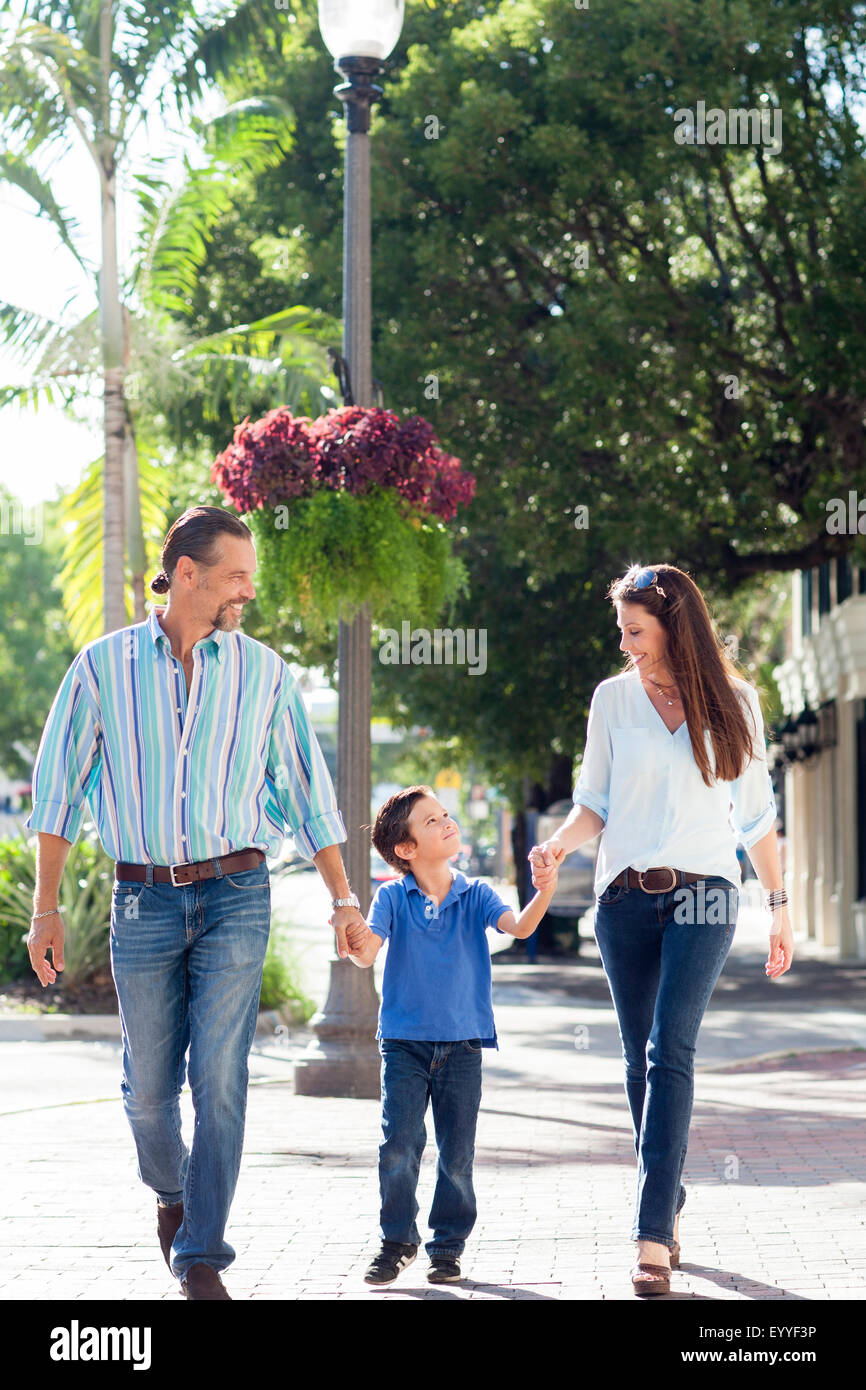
{"x": 46, "y": 450}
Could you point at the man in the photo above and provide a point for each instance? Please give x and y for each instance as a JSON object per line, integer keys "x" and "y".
{"x": 192, "y": 747}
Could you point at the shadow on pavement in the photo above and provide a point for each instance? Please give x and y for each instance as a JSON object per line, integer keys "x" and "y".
{"x": 815, "y": 983}
{"x": 746, "y": 1287}
{"x": 509, "y": 1292}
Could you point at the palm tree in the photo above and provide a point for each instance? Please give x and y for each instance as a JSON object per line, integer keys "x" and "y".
{"x": 87, "y": 72}
{"x": 281, "y": 359}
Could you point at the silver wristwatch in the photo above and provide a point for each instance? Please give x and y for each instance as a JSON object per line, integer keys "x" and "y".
{"x": 351, "y": 901}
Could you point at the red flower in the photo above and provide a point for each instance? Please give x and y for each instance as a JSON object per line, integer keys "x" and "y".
{"x": 353, "y": 448}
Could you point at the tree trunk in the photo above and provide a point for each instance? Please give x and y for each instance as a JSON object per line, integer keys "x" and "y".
{"x": 132, "y": 494}
{"x": 132, "y": 511}
{"x": 537, "y": 796}
{"x": 114, "y": 424}
{"x": 111, "y": 323}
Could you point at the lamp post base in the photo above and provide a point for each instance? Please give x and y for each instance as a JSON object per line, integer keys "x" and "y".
{"x": 343, "y": 1059}
{"x": 335, "y": 1068}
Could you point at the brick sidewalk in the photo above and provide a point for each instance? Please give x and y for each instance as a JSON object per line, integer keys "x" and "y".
{"x": 774, "y": 1174}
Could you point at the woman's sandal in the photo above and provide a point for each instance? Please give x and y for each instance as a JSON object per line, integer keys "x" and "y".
{"x": 647, "y": 1288}
{"x": 675, "y": 1248}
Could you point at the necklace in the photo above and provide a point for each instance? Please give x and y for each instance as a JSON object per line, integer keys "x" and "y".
{"x": 662, "y": 688}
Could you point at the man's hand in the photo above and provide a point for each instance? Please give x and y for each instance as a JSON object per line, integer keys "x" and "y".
{"x": 342, "y": 920}
{"x": 545, "y": 861}
{"x": 46, "y": 935}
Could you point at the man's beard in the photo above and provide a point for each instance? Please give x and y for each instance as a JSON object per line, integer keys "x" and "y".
{"x": 223, "y": 619}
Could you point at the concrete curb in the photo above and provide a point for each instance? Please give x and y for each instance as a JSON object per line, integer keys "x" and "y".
{"x": 746, "y": 1063}
{"x": 101, "y": 1027}
{"x": 56, "y": 1027}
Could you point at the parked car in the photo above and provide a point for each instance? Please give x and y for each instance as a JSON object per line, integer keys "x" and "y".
{"x": 574, "y": 890}
{"x": 380, "y": 872}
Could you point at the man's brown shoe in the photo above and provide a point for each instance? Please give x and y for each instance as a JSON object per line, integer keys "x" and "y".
{"x": 202, "y": 1282}
{"x": 168, "y": 1222}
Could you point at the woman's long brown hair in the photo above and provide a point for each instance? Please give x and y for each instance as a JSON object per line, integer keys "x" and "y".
{"x": 699, "y": 663}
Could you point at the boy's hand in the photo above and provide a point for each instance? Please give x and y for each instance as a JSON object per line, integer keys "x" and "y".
{"x": 545, "y": 861}
{"x": 342, "y": 919}
{"x": 357, "y": 937}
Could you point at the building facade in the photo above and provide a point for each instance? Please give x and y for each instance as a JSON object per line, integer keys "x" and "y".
{"x": 822, "y": 752}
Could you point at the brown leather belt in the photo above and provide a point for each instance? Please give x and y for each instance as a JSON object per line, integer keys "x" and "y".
{"x": 181, "y": 874}
{"x": 672, "y": 878}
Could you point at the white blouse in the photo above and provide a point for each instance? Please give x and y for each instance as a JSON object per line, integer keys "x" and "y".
{"x": 645, "y": 784}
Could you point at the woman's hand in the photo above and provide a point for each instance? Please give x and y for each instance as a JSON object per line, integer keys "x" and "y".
{"x": 781, "y": 945}
{"x": 545, "y": 861}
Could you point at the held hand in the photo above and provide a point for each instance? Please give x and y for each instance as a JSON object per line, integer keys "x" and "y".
{"x": 357, "y": 938}
{"x": 46, "y": 934}
{"x": 342, "y": 920}
{"x": 545, "y": 861}
{"x": 781, "y": 945}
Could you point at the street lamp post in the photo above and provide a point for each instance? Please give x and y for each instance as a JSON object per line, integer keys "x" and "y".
{"x": 343, "y": 1060}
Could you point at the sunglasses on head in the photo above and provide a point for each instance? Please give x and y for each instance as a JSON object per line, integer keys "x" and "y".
{"x": 642, "y": 577}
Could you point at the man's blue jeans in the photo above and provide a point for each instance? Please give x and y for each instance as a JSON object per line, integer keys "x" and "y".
{"x": 448, "y": 1075}
{"x": 662, "y": 954}
{"x": 187, "y": 963}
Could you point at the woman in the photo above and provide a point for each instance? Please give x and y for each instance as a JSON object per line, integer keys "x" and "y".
{"x": 674, "y": 758}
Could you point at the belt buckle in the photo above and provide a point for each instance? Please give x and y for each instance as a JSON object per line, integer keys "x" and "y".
{"x": 174, "y": 882}
{"x": 668, "y": 889}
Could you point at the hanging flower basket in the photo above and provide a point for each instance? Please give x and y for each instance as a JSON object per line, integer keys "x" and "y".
{"x": 347, "y": 510}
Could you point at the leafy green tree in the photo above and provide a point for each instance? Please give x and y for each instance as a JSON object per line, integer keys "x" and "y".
{"x": 644, "y": 349}
{"x": 87, "y": 73}
{"x": 35, "y": 650}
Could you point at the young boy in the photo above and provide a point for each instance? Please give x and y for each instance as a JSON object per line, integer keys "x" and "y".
{"x": 436, "y": 1017}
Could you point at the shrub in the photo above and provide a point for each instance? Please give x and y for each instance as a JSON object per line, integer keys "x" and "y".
{"x": 85, "y": 896}
{"x": 280, "y": 987}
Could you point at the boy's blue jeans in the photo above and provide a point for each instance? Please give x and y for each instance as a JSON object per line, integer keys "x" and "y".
{"x": 448, "y": 1075}
{"x": 187, "y": 963}
{"x": 661, "y": 973}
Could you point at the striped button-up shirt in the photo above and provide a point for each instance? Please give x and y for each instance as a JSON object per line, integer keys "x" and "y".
{"x": 172, "y": 777}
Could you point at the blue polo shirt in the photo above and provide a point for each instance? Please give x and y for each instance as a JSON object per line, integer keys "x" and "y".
{"x": 437, "y": 983}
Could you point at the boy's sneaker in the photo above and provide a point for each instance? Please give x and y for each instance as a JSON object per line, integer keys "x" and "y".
{"x": 444, "y": 1269}
{"x": 391, "y": 1260}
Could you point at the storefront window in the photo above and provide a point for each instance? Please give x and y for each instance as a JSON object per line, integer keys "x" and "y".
{"x": 806, "y": 590}
{"x": 844, "y": 579}
{"x": 861, "y": 799}
{"x": 824, "y": 588}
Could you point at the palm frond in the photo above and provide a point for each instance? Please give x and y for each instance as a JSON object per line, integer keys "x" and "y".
{"x": 218, "y": 47}
{"x": 300, "y": 323}
{"x": 177, "y": 231}
{"x": 32, "y": 394}
{"x": 27, "y": 332}
{"x": 66, "y": 359}
{"x": 16, "y": 170}
{"x": 58, "y": 59}
{"x": 81, "y": 575}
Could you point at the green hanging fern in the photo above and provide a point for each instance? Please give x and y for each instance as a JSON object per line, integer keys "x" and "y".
{"x": 322, "y": 557}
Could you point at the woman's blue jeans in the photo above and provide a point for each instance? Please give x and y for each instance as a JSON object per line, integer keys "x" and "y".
{"x": 448, "y": 1075}
{"x": 187, "y": 963}
{"x": 662, "y": 954}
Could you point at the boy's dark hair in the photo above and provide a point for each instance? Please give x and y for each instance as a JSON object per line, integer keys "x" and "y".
{"x": 392, "y": 824}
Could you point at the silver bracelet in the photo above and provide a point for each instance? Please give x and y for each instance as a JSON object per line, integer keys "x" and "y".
{"x": 45, "y": 914}
{"x": 778, "y": 898}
